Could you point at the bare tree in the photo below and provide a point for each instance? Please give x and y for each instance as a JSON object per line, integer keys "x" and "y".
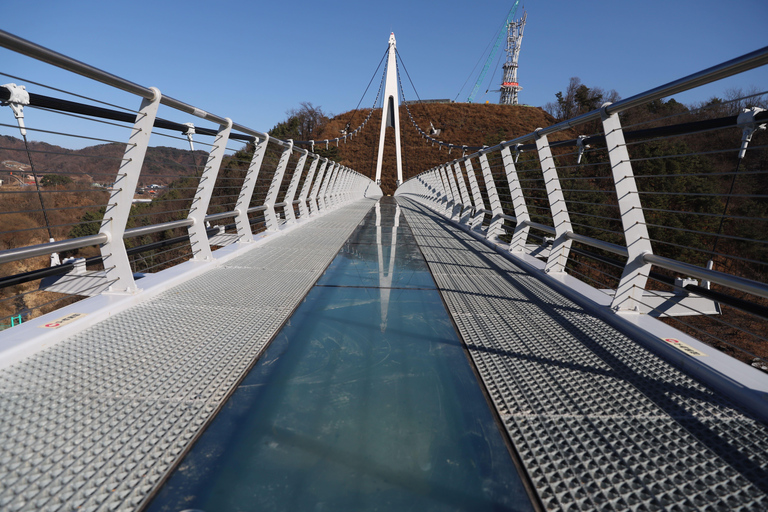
{"x": 309, "y": 119}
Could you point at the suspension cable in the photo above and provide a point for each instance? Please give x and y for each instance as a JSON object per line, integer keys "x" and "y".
{"x": 368, "y": 87}
{"x": 410, "y": 115}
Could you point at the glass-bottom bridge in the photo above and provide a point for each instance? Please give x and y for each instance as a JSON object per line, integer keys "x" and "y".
{"x": 355, "y": 329}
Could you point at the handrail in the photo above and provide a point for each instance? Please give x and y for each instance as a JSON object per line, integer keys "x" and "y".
{"x": 353, "y": 185}
{"x": 629, "y": 162}
{"x": 32, "y": 251}
{"x": 36, "y": 51}
{"x": 731, "y": 281}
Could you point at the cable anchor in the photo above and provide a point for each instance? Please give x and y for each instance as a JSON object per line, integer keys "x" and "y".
{"x": 746, "y": 121}
{"x": 19, "y": 97}
{"x": 580, "y": 144}
{"x": 189, "y": 133}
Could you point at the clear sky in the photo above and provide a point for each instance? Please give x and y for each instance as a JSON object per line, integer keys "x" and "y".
{"x": 253, "y": 60}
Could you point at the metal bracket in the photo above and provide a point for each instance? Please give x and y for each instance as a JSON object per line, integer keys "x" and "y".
{"x": 518, "y": 151}
{"x": 580, "y": 144}
{"x": 189, "y": 133}
{"x": 19, "y": 97}
{"x": 746, "y": 121}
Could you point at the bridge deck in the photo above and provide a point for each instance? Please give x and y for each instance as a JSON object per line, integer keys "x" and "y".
{"x": 97, "y": 420}
{"x": 599, "y": 421}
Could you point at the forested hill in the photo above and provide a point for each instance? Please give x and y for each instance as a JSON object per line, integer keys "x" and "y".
{"x": 98, "y": 163}
{"x": 460, "y": 123}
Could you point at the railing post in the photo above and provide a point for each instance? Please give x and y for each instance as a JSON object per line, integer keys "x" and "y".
{"x": 453, "y": 200}
{"x": 359, "y": 186}
{"x": 497, "y": 221}
{"x": 558, "y": 255}
{"x": 117, "y": 266}
{"x": 476, "y": 221}
{"x": 303, "y": 208}
{"x": 274, "y": 188}
{"x": 290, "y": 216}
{"x": 635, "y": 274}
{"x": 441, "y": 197}
{"x": 340, "y": 187}
{"x": 466, "y": 210}
{"x": 322, "y": 198}
{"x": 314, "y": 207}
{"x": 349, "y": 185}
{"x": 520, "y": 234}
{"x": 198, "y": 235}
{"x": 330, "y": 203}
{"x": 458, "y": 204}
{"x": 244, "y": 230}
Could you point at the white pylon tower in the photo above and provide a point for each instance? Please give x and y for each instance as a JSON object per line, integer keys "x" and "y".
{"x": 390, "y": 113}
{"x": 509, "y": 85}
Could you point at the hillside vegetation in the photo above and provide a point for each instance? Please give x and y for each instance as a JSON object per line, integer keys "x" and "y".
{"x": 460, "y": 123}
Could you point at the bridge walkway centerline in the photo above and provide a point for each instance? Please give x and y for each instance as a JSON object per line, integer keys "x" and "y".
{"x": 599, "y": 421}
{"x": 97, "y": 420}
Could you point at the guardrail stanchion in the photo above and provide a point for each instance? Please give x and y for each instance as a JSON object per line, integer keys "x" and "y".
{"x": 497, "y": 221}
{"x": 635, "y": 273}
{"x": 457, "y": 206}
{"x": 198, "y": 235}
{"x": 561, "y": 246}
{"x": 520, "y": 235}
{"x": 466, "y": 210}
{"x": 270, "y": 216}
{"x": 117, "y": 266}
{"x": 314, "y": 205}
{"x": 477, "y": 219}
{"x": 329, "y": 176}
{"x": 305, "y": 188}
{"x": 244, "y": 230}
{"x": 290, "y": 214}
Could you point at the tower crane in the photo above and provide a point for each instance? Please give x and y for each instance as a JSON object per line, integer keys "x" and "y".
{"x": 491, "y": 56}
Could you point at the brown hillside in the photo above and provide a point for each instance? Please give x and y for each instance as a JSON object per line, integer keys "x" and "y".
{"x": 461, "y": 123}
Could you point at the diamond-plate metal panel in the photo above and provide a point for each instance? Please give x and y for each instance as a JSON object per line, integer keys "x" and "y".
{"x": 599, "y": 421}
{"x": 95, "y": 422}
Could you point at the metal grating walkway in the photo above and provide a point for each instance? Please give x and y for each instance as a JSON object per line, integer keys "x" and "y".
{"x": 599, "y": 422}
{"x": 95, "y": 422}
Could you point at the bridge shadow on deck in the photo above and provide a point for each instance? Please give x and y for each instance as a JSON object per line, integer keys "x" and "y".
{"x": 584, "y": 404}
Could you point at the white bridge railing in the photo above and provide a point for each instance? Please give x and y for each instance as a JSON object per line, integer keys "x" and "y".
{"x": 250, "y": 183}
{"x": 666, "y": 215}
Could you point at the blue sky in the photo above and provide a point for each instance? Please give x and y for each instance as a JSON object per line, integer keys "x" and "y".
{"x": 252, "y": 61}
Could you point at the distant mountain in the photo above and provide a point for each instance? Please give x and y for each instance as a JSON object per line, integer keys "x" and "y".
{"x": 99, "y": 163}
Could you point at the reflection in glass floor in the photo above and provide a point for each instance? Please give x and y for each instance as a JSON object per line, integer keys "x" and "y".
{"x": 364, "y": 401}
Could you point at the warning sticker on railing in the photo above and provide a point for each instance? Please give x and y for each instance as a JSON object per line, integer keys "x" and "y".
{"x": 63, "y": 321}
{"x": 684, "y": 347}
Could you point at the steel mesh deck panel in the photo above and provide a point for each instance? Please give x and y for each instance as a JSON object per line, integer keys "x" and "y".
{"x": 94, "y": 422}
{"x": 599, "y": 421}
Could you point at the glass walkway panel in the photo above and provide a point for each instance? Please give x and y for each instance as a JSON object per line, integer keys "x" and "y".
{"x": 364, "y": 401}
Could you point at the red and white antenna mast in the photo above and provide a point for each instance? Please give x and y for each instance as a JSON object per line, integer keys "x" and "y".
{"x": 509, "y": 85}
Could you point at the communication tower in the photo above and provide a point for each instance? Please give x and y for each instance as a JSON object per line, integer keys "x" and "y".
{"x": 509, "y": 85}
